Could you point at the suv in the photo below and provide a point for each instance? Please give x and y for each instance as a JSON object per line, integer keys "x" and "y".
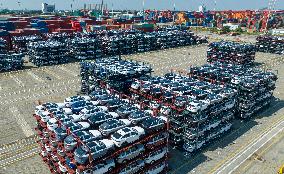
{"x": 96, "y": 148}
{"x": 155, "y": 156}
{"x": 133, "y": 167}
{"x": 130, "y": 153}
{"x": 127, "y": 135}
{"x": 113, "y": 125}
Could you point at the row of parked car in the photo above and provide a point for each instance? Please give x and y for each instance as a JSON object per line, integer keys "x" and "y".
{"x": 199, "y": 112}
{"x": 48, "y": 53}
{"x": 98, "y": 44}
{"x": 231, "y": 52}
{"x": 255, "y": 87}
{"x": 102, "y": 131}
{"x": 186, "y": 101}
{"x": 9, "y": 60}
{"x": 113, "y": 69}
{"x": 20, "y": 43}
{"x": 270, "y": 44}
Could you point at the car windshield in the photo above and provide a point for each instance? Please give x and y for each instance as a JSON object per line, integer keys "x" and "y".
{"x": 116, "y": 135}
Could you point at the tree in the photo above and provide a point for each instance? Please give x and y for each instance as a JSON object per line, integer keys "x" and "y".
{"x": 239, "y": 30}
{"x": 226, "y": 29}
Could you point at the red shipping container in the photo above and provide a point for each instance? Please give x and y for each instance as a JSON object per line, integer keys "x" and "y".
{"x": 61, "y": 30}
{"x": 31, "y": 31}
{"x": 112, "y": 27}
{"x": 20, "y": 24}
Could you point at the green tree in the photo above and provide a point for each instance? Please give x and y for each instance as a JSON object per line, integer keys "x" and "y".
{"x": 226, "y": 29}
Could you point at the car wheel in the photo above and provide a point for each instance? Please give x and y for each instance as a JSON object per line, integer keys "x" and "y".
{"x": 110, "y": 169}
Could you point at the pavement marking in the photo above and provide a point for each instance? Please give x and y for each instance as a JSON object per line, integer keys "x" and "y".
{"x": 276, "y": 140}
{"x": 249, "y": 147}
{"x": 68, "y": 71}
{"x": 27, "y": 130}
{"x": 19, "y": 82}
{"x": 35, "y": 76}
{"x": 237, "y": 151}
{"x": 52, "y": 73}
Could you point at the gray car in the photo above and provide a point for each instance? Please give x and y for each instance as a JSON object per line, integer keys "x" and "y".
{"x": 130, "y": 153}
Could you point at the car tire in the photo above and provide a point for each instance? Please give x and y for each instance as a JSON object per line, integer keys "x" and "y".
{"x": 110, "y": 169}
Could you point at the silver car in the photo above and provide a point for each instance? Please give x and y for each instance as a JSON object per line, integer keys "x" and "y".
{"x": 130, "y": 153}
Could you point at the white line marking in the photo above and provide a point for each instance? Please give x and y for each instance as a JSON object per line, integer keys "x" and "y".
{"x": 257, "y": 149}
{"x": 22, "y": 122}
{"x": 68, "y": 71}
{"x": 35, "y": 76}
{"x": 52, "y": 73}
{"x": 249, "y": 147}
{"x": 19, "y": 82}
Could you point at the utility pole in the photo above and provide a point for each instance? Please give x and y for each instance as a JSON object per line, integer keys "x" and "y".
{"x": 215, "y": 5}
{"x": 143, "y": 5}
{"x": 102, "y": 7}
{"x": 174, "y": 13}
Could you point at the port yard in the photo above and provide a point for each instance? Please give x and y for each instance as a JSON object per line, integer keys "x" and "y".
{"x": 20, "y": 92}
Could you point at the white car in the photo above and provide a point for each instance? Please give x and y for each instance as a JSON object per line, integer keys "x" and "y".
{"x": 104, "y": 167}
{"x": 135, "y": 85}
{"x": 44, "y": 115}
{"x": 196, "y": 106}
{"x": 133, "y": 167}
{"x": 52, "y": 124}
{"x": 156, "y": 155}
{"x": 62, "y": 168}
{"x": 236, "y": 80}
{"x": 127, "y": 135}
{"x": 230, "y": 104}
{"x": 113, "y": 125}
{"x": 157, "y": 169}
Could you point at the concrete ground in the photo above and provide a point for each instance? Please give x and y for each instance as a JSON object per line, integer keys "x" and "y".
{"x": 20, "y": 92}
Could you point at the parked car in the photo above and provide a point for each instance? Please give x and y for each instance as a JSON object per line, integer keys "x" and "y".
{"x": 133, "y": 167}
{"x": 96, "y": 149}
{"x": 156, "y": 169}
{"x": 138, "y": 116}
{"x": 127, "y": 135}
{"x": 103, "y": 168}
{"x": 99, "y": 118}
{"x": 155, "y": 156}
{"x": 130, "y": 153}
{"x": 153, "y": 124}
{"x": 113, "y": 125}
{"x": 156, "y": 141}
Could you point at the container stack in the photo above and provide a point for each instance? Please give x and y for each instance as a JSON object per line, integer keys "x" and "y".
{"x": 255, "y": 88}
{"x": 231, "y": 52}
{"x": 48, "y": 53}
{"x": 101, "y": 134}
{"x": 270, "y": 44}
{"x": 117, "y": 73}
{"x": 85, "y": 48}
